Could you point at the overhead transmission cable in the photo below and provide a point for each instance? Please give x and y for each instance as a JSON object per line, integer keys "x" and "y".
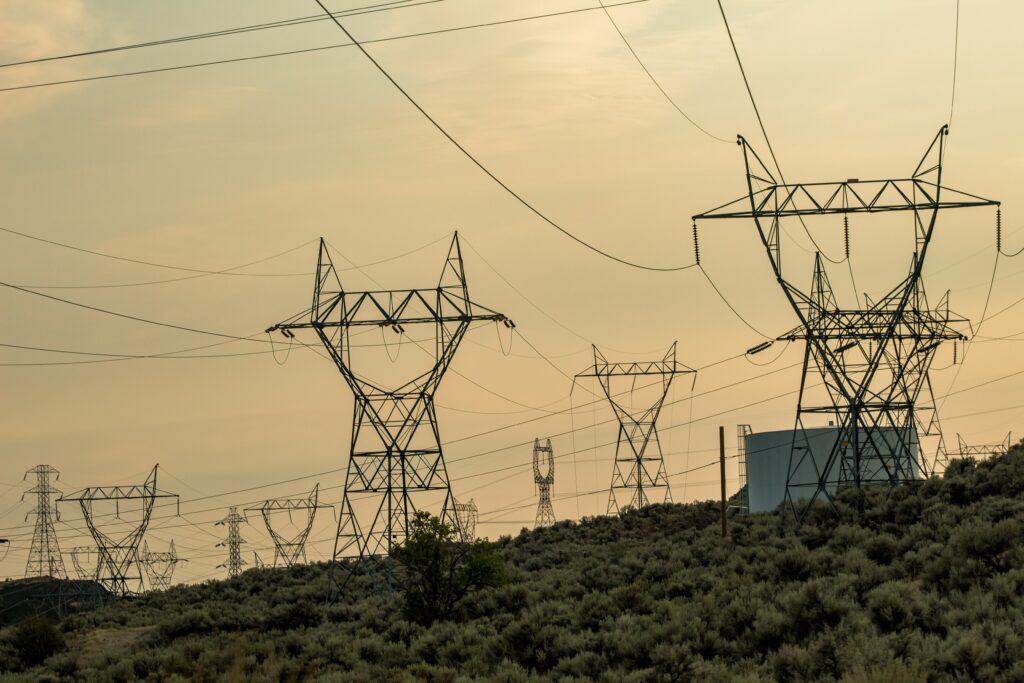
{"x": 469, "y": 155}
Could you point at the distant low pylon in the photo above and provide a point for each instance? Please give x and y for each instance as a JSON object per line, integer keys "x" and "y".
{"x": 544, "y": 482}
{"x": 44, "y": 558}
{"x": 233, "y": 543}
{"x": 987, "y": 450}
{"x": 291, "y": 550}
{"x": 466, "y": 517}
{"x": 159, "y": 566}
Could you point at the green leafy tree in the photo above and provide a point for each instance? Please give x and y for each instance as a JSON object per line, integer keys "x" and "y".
{"x": 439, "y": 571}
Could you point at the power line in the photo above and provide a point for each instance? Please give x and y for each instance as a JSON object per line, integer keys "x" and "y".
{"x": 956, "y": 52}
{"x": 537, "y": 212}
{"x": 654, "y": 80}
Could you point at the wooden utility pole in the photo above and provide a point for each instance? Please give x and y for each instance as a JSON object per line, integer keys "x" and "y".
{"x": 721, "y": 464}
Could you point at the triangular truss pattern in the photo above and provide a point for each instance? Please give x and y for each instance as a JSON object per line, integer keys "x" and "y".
{"x": 233, "y": 542}
{"x": 983, "y": 451}
{"x": 291, "y": 550}
{"x": 160, "y": 566}
{"x": 396, "y": 464}
{"x": 86, "y": 561}
{"x": 44, "y": 557}
{"x": 466, "y": 517}
{"x": 638, "y": 472}
{"x": 119, "y": 569}
{"x": 544, "y": 478}
{"x": 872, "y": 361}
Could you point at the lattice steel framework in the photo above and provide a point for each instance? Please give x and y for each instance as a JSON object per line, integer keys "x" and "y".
{"x": 86, "y": 561}
{"x": 160, "y": 566}
{"x": 987, "y": 450}
{"x": 290, "y": 549}
{"x": 44, "y": 557}
{"x": 544, "y": 458}
{"x": 119, "y": 569}
{"x": 872, "y": 361}
{"x": 396, "y": 463}
{"x": 233, "y": 543}
{"x": 466, "y": 517}
{"x": 639, "y": 464}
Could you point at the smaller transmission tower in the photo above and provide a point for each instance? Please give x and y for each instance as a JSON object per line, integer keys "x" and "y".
{"x": 160, "y": 566}
{"x": 86, "y": 562}
{"x": 544, "y": 482}
{"x": 466, "y": 517}
{"x": 44, "y": 558}
{"x": 290, "y": 550}
{"x": 639, "y": 462}
{"x": 257, "y": 560}
{"x": 233, "y": 543}
{"x": 988, "y": 450}
{"x": 119, "y": 570}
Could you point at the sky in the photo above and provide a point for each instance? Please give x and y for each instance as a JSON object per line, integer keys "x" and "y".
{"x": 215, "y": 167}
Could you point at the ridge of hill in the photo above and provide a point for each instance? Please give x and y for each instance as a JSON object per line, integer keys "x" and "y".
{"x": 927, "y": 584}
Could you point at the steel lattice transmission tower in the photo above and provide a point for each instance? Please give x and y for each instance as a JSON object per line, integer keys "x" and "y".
{"x": 544, "y": 482}
{"x": 233, "y": 543}
{"x": 160, "y": 566}
{"x": 466, "y": 517}
{"x": 987, "y": 450}
{"x": 290, "y": 549}
{"x": 87, "y": 567}
{"x": 396, "y": 465}
{"x": 639, "y": 467}
{"x": 119, "y": 569}
{"x": 873, "y": 361}
{"x": 44, "y": 558}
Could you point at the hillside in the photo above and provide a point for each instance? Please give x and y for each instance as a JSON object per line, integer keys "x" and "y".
{"x": 926, "y": 586}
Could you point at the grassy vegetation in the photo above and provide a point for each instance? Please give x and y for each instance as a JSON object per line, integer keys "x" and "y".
{"x": 927, "y": 586}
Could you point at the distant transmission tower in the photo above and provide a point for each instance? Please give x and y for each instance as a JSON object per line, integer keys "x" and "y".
{"x": 873, "y": 361}
{"x": 290, "y": 550}
{"x": 396, "y": 465}
{"x": 119, "y": 571}
{"x": 159, "y": 566}
{"x": 544, "y": 482}
{"x": 86, "y": 561}
{"x": 639, "y": 463}
{"x": 44, "y": 558}
{"x": 233, "y": 543}
{"x": 988, "y": 450}
{"x": 466, "y": 517}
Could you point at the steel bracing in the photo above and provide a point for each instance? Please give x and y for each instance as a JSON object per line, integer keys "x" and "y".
{"x": 119, "y": 569}
{"x": 871, "y": 361}
{"x": 86, "y": 561}
{"x": 466, "y": 517}
{"x": 986, "y": 450}
{"x": 638, "y": 472}
{"x": 396, "y": 465}
{"x": 233, "y": 543}
{"x": 159, "y": 566}
{"x": 44, "y": 557}
{"x": 544, "y": 459}
{"x": 290, "y": 550}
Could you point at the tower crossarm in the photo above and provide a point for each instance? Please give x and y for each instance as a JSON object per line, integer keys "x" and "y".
{"x": 876, "y": 324}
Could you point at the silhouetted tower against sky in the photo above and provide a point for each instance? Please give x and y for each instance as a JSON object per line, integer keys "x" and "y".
{"x": 986, "y": 450}
{"x": 289, "y": 550}
{"x": 119, "y": 571}
{"x": 396, "y": 464}
{"x": 544, "y": 478}
{"x": 638, "y": 473}
{"x": 865, "y": 367}
{"x": 466, "y": 517}
{"x": 44, "y": 558}
{"x": 86, "y": 561}
{"x": 159, "y": 566}
{"x": 233, "y": 543}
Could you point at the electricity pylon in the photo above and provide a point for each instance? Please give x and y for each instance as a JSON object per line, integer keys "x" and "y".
{"x": 159, "y": 566}
{"x": 396, "y": 465}
{"x": 987, "y": 450}
{"x": 290, "y": 549}
{"x": 44, "y": 558}
{"x": 233, "y": 543}
{"x": 639, "y": 463}
{"x": 466, "y": 517}
{"x": 873, "y": 360}
{"x": 544, "y": 482}
{"x": 87, "y": 567}
{"x": 119, "y": 570}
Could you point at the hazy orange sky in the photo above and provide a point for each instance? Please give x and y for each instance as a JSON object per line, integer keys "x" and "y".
{"x": 213, "y": 167}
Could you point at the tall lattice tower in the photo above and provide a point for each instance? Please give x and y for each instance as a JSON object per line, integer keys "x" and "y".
{"x": 44, "y": 558}
{"x": 233, "y": 543}
{"x": 544, "y": 482}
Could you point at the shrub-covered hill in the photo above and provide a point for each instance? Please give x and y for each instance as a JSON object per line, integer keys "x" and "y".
{"x": 925, "y": 585}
